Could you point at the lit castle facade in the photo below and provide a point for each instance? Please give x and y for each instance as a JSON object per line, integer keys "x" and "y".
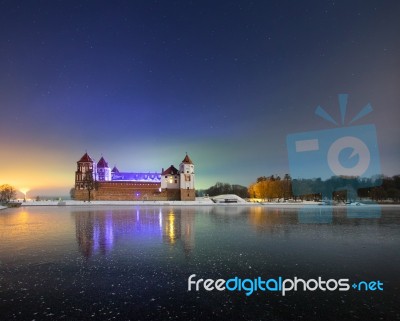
{"x": 104, "y": 183}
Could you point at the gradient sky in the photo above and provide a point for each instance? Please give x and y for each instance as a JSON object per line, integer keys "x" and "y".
{"x": 143, "y": 82}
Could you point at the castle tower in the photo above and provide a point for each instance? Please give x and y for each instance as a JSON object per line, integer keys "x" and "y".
{"x": 114, "y": 172}
{"x": 170, "y": 178}
{"x": 103, "y": 171}
{"x": 85, "y": 166}
{"x": 186, "y": 170}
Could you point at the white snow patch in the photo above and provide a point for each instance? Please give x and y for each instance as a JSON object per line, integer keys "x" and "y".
{"x": 228, "y": 198}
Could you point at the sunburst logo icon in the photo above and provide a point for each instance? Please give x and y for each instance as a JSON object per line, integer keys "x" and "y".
{"x": 348, "y": 155}
{"x": 346, "y": 151}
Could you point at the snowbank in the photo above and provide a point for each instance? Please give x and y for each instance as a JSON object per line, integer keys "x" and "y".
{"x": 228, "y": 198}
{"x": 198, "y": 201}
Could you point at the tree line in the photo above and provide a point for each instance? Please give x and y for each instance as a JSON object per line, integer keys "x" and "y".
{"x": 389, "y": 189}
{"x": 271, "y": 187}
{"x": 224, "y": 188}
{"x": 378, "y": 188}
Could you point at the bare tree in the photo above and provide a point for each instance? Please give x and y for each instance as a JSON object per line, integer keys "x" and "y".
{"x": 287, "y": 186}
{"x": 89, "y": 183}
{"x": 72, "y": 193}
{"x": 7, "y": 193}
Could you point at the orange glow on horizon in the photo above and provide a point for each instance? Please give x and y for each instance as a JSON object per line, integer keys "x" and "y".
{"x": 29, "y": 169}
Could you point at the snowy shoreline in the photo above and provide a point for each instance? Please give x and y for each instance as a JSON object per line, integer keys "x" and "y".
{"x": 198, "y": 202}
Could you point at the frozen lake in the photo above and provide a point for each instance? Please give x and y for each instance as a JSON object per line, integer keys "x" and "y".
{"x": 133, "y": 263}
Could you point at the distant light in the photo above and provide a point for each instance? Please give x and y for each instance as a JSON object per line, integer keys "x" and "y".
{"x": 24, "y": 190}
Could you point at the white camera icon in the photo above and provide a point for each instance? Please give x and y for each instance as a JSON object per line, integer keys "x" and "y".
{"x": 345, "y": 152}
{"x": 359, "y": 148}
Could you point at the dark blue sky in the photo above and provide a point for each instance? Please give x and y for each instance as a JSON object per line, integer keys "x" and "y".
{"x": 143, "y": 82}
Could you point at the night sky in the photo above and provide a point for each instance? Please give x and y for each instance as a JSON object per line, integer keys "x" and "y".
{"x": 143, "y": 82}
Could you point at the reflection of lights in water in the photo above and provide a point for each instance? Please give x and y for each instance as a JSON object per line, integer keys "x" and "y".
{"x": 103, "y": 233}
{"x": 160, "y": 219}
{"x": 21, "y": 226}
{"x": 109, "y": 232}
{"x": 23, "y": 217}
{"x": 96, "y": 237}
{"x": 171, "y": 226}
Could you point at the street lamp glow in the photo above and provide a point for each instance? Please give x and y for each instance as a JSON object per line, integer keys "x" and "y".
{"x": 24, "y": 190}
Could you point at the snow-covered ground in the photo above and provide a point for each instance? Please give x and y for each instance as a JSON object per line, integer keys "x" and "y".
{"x": 200, "y": 201}
{"x": 228, "y": 198}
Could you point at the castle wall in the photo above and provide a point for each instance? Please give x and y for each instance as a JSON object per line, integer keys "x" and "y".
{"x": 121, "y": 191}
{"x": 128, "y": 191}
{"x": 187, "y": 194}
{"x": 172, "y": 194}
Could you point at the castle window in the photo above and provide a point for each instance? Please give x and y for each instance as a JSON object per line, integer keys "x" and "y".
{"x": 176, "y": 181}
{"x": 166, "y": 176}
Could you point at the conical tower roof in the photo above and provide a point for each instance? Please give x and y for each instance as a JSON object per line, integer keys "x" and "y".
{"x": 85, "y": 158}
{"x": 187, "y": 160}
{"x": 102, "y": 163}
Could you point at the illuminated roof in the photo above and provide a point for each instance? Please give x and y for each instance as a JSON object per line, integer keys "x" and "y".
{"x": 187, "y": 160}
{"x": 85, "y": 158}
{"x": 170, "y": 171}
{"x": 102, "y": 163}
{"x": 136, "y": 177}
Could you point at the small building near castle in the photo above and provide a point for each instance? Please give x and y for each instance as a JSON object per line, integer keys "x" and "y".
{"x": 97, "y": 181}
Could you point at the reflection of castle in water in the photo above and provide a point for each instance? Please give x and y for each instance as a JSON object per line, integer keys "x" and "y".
{"x": 97, "y": 231}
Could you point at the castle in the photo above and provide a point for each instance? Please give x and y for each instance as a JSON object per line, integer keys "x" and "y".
{"x": 96, "y": 181}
